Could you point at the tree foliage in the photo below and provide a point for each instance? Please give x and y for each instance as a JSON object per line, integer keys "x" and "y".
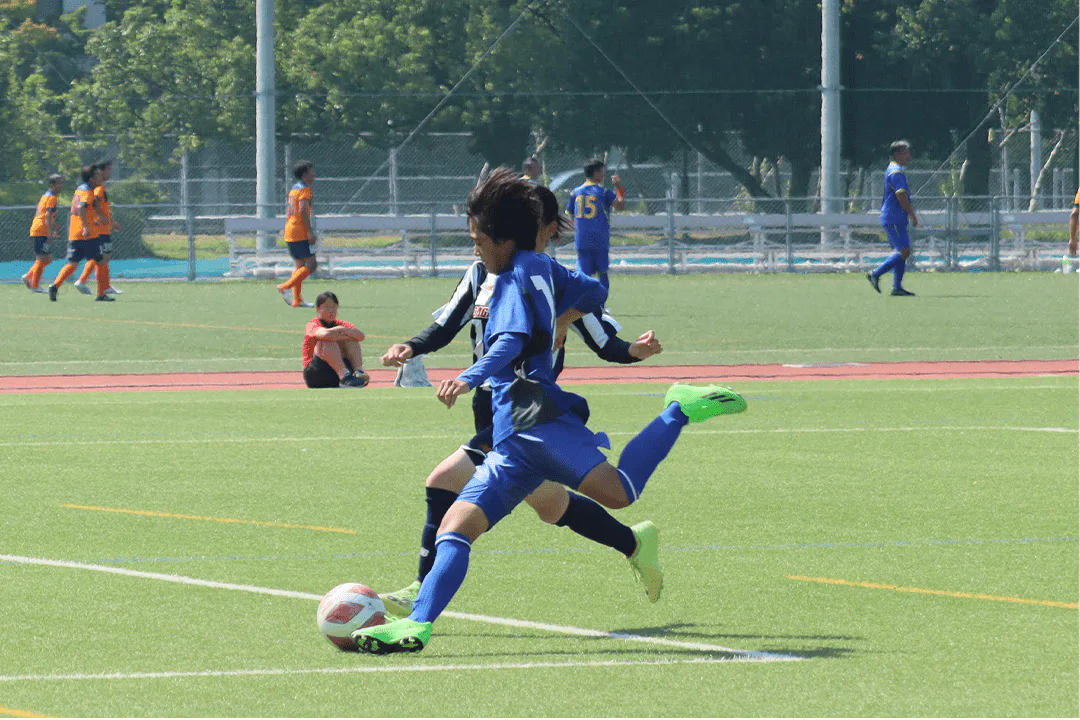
{"x": 729, "y": 78}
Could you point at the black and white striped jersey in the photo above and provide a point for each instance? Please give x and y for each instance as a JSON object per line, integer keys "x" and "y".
{"x": 470, "y": 305}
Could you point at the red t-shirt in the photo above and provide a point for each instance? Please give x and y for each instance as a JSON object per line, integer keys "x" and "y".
{"x": 307, "y": 350}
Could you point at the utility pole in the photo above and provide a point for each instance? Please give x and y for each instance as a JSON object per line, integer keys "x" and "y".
{"x": 265, "y": 109}
{"x": 830, "y": 111}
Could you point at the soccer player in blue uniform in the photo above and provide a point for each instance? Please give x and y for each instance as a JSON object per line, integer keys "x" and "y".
{"x": 470, "y": 305}
{"x": 895, "y": 211}
{"x": 539, "y": 431}
{"x": 590, "y": 205}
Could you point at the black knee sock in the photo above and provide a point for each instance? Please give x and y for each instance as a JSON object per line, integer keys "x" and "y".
{"x": 438, "y": 502}
{"x": 590, "y": 520}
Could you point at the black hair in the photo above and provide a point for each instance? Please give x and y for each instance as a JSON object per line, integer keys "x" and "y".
{"x": 505, "y": 207}
{"x": 592, "y": 166}
{"x": 56, "y": 178}
{"x": 88, "y": 172}
{"x": 300, "y": 169}
{"x": 551, "y": 211}
{"x": 898, "y": 146}
{"x": 321, "y": 300}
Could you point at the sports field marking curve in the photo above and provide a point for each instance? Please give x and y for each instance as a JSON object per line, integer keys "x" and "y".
{"x": 273, "y": 672}
{"x": 925, "y": 591}
{"x": 208, "y": 518}
{"x": 758, "y": 655}
{"x": 444, "y": 436}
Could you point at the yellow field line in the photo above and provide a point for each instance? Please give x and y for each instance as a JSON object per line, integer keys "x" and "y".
{"x": 9, "y": 712}
{"x": 170, "y": 324}
{"x": 924, "y": 591}
{"x": 152, "y": 513}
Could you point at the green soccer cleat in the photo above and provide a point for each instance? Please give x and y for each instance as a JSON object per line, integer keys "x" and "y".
{"x": 701, "y": 403}
{"x": 399, "y": 636}
{"x": 400, "y": 603}
{"x": 645, "y": 562}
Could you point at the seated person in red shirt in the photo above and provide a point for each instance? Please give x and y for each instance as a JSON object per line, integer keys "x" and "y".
{"x": 331, "y": 349}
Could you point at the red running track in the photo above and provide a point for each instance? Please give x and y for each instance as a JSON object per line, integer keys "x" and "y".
{"x": 279, "y": 380}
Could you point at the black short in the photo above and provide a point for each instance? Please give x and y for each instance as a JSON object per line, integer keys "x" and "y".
{"x": 318, "y": 374}
{"x": 300, "y": 249}
{"x": 106, "y": 244}
{"x": 480, "y": 445}
{"x": 83, "y": 250}
{"x": 41, "y": 245}
{"x": 483, "y": 416}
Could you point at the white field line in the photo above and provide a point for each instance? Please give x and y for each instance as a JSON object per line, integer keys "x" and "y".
{"x": 272, "y": 672}
{"x": 510, "y": 622}
{"x": 445, "y": 436}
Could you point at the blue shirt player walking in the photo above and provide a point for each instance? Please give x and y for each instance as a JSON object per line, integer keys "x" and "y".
{"x": 590, "y": 205}
{"x": 539, "y": 430}
{"x": 895, "y": 211}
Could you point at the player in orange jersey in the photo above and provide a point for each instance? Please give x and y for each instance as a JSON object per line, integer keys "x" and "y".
{"x": 82, "y": 242}
{"x": 298, "y": 234}
{"x": 104, "y": 228}
{"x": 331, "y": 349}
{"x": 43, "y": 230}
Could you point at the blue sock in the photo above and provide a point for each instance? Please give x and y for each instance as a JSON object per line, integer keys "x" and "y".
{"x": 590, "y": 520}
{"x": 648, "y": 449}
{"x": 604, "y": 280}
{"x": 446, "y": 576}
{"x": 889, "y": 264}
{"x": 438, "y": 502}
{"x": 898, "y": 272}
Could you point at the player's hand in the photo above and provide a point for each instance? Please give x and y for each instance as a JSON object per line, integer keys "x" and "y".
{"x": 561, "y": 328}
{"x": 646, "y": 346}
{"x": 117, "y": 227}
{"x": 450, "y": 390}
{"x": 397, "y": 355}
{"x": 914, "y": 219}
{"x": 86, "y": 232}
{"x": 615, "y": 181}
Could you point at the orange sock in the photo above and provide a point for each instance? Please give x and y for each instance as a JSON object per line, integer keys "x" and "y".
{"x": 33, "y": 271}
{"x": 87, "y": 269}
{"x": 102, "y": 278}
{"x": 297, "y": 282}
{"x": 35, "y": 278}
{"x": 65, "y": 272}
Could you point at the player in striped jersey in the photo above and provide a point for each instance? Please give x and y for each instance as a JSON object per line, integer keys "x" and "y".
{"x": 551, "y": 501}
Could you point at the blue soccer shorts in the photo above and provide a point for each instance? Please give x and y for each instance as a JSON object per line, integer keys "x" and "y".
{"x": 592, "y": 261}
{"x": 898, "y": 237}
{"x": 563, "y": 450}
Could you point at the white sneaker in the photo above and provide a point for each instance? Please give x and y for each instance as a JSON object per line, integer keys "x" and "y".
{"x": 305, "y": 303}
{"x": 82, "y": 287}
{"x": 26, "y": 281}
{"x": 286, "y": 295}
{"x": 38, "y": 290}
{"x": 113, "y": 291}
{"x": 412, "y": 374}
{"x": 1067, "y": 263}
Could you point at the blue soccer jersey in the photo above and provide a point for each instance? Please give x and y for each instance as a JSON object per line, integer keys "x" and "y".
{"x": 895, "y": 183}
{"x": 527, "y": 298}
{"x": 590, "y": 205}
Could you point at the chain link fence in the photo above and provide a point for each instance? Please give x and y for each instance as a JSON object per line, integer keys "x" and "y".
{"x": 684, "y": 213}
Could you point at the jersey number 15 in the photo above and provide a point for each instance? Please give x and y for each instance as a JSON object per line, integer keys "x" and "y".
{"x": 585, "y": 206}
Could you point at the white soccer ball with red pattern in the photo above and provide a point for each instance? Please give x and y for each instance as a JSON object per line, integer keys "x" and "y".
{"x": 346, "y": 609}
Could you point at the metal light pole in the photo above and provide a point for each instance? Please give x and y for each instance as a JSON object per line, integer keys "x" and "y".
{"x": 265, "y": 109}
{"x": 830, "y": 111}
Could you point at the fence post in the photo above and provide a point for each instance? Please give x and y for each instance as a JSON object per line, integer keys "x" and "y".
{"x": 995, "y": 235}
{"x": 434, "y": 246}
{"x": 189, "y": 218}
{"x": 671, "y": 195}
{"x": 787, "y": 234}
{"x": 393, "y": 182}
